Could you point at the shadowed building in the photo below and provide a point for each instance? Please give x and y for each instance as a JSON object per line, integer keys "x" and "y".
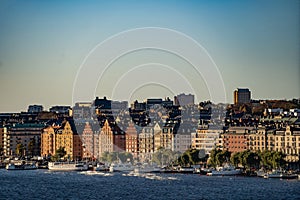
{"x": 22, "y": 139}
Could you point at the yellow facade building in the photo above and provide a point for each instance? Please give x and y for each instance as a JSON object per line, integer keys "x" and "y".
{"x": 55, "y": 137}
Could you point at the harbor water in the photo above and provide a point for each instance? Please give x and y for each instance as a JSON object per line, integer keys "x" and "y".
{"x": 44, "y": 184}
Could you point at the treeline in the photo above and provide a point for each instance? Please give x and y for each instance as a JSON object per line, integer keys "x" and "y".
{"x": 245, "y": 159}
{"x": 248, "y": 159}
{"x": 116, "y": 157}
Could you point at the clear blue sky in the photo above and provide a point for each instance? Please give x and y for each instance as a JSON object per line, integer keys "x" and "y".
{"x": 255, "y": 44}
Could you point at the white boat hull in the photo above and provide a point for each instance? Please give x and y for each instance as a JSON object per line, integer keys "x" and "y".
{"x": 121, "y": 168}
{"x": 224, "y": 173}
{"x": 67, "y": 167}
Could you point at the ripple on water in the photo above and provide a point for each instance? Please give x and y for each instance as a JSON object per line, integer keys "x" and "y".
{"x": 75, "y": 185}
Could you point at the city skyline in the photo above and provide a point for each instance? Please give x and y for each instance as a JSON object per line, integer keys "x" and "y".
{"x": 254, "y": 44}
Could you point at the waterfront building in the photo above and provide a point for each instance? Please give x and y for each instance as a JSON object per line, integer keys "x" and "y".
{"x": 146, "y": 143}
{"x": 132, "y": 141}
{"x": 163, "y": 137}
{"x": 1, "y": 140}
{"x": 284, "y": 139}
{"x": 182, "y": 138}
{"x": 258, "y": 139}
{"x": 90, "y": 140}
{"x": 287, "y": 140}
{"x": 106, "y": 139}
{"x": 119, "y": 139}
{"x": 206, "y": 138}
{"x": 236, "y": 139}
{"x": 61, "y": 136}
{"x": 22, "y": 139}
{"x": 242, "y": 96}
{"x": 157, "y": 136}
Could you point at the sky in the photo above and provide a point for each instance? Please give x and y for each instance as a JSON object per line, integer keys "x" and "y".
{"x": 43, "y": 44}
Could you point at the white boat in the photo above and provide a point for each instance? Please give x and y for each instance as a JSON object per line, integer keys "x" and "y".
{"x": 121, "y": 167}
{"x": 67, "y": 166}
{"x": 280, "y": 174}
{"x": 26, "y": 166}
{"x": 261, "y": 173}
{"x": 101, "y": 167}
{"x": 186, "y": 170}
{"x": 146, "y": 168}
{"x": 227, "y": 170}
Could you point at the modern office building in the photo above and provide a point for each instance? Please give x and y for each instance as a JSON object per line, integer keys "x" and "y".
{"x": 242, "y": 95}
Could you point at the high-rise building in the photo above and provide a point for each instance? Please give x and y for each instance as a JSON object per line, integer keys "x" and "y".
{"x": 184, "y": 99}
{"x": 242, "y": 95}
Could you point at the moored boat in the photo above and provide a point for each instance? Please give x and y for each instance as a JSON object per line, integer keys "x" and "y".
{"x": 67, "y": 166}
{"x": 121, "y": 167}
{"x": 261, "y": 173}
{"x": 186, "y": 170}
{"x": 101, "y": 167}
{"x": 227, "y": 170}
{"x": 280, "y": 174}
{"x": 26, "y": 166}
{"x": 146, "y": 168}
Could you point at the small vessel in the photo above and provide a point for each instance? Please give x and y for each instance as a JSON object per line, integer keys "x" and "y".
{"x": 280, "y": 174}
{"x": 101, "y": 167}
{"x": 26, "y": 166}
{"x": 121, "y": 167}
{"x": 186, "y": 170}
{"x": 226, "y": 170}
{"x": 261, "y": 173}
{"x": 146, "y": 168}
{"x": 67, "y": 166}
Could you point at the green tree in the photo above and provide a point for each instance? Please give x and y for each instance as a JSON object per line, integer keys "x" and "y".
{"x": 19, "y": 149}
{"x": 252, "y": 160}
{"x": 112, "y": 156}
{"x": 218, "y": 157}
{"x": 213, "y": 160}
{"x": 104, "y": 156}
{"x": 60, "y": 152}
{"x": 31, "y": 146}
{"x": 1, "y": 150}
{"x": 165, "y": 156}
{"x": 125, "y": 157}
{"x": 278, "y": 159}
{"x": 235, "y": 159}
{"x": 189, "y": 157}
